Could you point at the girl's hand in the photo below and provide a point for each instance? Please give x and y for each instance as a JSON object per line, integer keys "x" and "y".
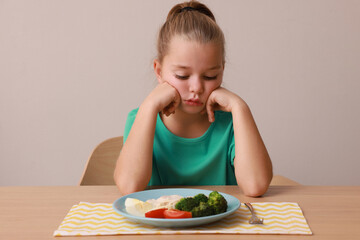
{"x": 165, "y": 98}
{"x": 222, "y": 99}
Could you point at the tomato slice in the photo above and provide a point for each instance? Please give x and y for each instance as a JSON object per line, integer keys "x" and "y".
{"x": 174, "y": 213}
{"x": 156, "y": 213}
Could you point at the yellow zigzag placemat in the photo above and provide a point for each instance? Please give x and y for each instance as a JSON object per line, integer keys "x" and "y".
{"x": 100, "y": 219}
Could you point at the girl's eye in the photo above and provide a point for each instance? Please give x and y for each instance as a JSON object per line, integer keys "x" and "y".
{"x": 181, "y": 77}
{"x": 210, "y": 78}
{"x": 205, "y": 77}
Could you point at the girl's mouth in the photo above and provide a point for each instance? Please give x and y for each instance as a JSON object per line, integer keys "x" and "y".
{"x": 193, "y": 102}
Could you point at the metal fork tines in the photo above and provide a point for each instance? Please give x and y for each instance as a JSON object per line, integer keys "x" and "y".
{"x": 254, "y": 219}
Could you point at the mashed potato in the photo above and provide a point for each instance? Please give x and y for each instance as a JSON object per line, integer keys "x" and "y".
{"x": 139, "y": 208}
{"x": 165, "y": 201}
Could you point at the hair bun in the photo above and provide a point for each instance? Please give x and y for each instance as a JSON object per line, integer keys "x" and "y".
{"x": 192, "y": 20}
{"x": 191, "y": 6}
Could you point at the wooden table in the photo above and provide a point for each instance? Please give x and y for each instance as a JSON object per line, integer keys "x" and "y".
{"x": 333, "y": 212}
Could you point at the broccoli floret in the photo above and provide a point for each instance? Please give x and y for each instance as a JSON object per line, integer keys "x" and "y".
{"x": 186, "y": 204}
{"x": 218, "y": 202}
{"x": 202, "y": 210}
{"x": 201, "y": 205}
{"x": 201, "y": 198}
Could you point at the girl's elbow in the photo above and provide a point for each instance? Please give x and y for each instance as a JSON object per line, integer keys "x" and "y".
{"x": 255, "y": 190}
{"x": 124, "y": 190}
{"x": 126, "y": 187}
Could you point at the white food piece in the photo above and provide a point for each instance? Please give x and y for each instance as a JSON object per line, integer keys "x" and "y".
{"x": 165, "y": 201}
{"x": 136, "y": 207}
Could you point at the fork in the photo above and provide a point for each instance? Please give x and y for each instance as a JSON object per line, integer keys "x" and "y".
{"x": 254, "y": 219}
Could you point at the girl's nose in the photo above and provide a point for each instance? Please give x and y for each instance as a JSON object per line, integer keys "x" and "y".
{"x": 196, "y": 85}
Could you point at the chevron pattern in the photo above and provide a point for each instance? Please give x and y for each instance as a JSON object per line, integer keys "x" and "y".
{"x": 87, "y": 219}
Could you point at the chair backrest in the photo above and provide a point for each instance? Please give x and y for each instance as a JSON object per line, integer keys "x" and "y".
{"x": 279, "y": 180}
{"x": 99, "y": 169}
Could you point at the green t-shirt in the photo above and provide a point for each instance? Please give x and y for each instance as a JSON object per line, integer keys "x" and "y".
{"x": 206, "y": 160}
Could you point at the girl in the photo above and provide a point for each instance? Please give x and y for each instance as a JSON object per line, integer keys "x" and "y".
{"x": 189, "y": 130}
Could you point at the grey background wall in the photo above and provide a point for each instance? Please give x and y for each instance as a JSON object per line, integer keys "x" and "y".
{"x": 70, "y": 71}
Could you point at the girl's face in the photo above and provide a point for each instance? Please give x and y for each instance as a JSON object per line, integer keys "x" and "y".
{"x": 193, "y": 69}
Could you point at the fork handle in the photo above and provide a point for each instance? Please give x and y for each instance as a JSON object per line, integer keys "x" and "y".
{"x": 250, "y": 207}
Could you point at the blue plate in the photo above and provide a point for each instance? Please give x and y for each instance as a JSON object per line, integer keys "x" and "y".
{"x": 119, "y": 207}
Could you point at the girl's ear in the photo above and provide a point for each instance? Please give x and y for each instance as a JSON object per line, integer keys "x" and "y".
{"x": 157, "y": 70}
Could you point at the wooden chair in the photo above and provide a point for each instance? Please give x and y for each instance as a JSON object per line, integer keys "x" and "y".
{"x": 101, "y": 165}
{"x": 279, "y": 180}
{"x": 99, "y": 169}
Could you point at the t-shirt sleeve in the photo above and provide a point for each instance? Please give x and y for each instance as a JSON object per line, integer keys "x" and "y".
{"x": 231, "y": 151}
{"x": 129, "y": 122}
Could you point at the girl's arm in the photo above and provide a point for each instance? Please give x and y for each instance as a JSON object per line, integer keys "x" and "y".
{"x": 134, "y": 165}
{"x": 253, "y": 167}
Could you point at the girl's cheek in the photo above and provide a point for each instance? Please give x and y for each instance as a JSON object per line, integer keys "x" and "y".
{"x": 178, "y": 88}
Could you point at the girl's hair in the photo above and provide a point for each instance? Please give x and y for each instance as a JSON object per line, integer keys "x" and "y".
{"x": 192, "y": 20}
